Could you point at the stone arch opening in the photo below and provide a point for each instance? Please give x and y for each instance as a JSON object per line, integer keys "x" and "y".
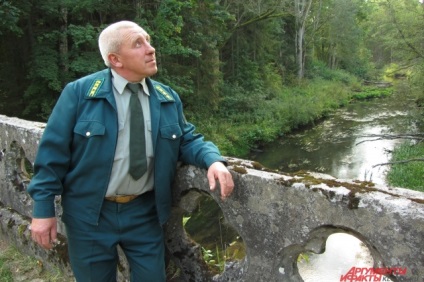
{"x": 328, "y": 253}
{"x": 220, "y": 243}
{"x": 205, "y": 247}
{"x": 343, "y": 252}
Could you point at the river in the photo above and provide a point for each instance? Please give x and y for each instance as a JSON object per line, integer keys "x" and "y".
{"x": 338, "y": 146}
{"x": 341, "y": 146}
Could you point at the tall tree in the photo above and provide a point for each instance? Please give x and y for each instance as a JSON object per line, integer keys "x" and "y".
{"x": 301, "y": 13}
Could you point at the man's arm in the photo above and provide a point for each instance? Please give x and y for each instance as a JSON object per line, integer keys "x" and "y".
{"x": 50, "y": 166}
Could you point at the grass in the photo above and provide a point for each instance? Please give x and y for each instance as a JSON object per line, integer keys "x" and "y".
{"x": 5, "y": 273}
{"x": 16, "y": 266}
{"x": 408, "y": 174}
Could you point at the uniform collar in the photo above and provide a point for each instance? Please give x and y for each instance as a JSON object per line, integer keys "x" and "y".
{"x": 120, "y": 83}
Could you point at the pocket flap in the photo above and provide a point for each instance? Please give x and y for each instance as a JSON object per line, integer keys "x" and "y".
{"x": 89, "y": 128}
{"x": 172, "y": 131}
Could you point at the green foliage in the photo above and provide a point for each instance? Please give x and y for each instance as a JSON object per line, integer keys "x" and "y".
{"x": 372, "y": 92}
{"x": 45, "y": 78}
{"x": 417, "y": 85}
{"x": 393, "y": 70}
{"x": 318, "y": 69}
{"x": 9, "y": 18}
{"x": 167, "y": 27}
{"x": 408, "y": 174}
{"x": 396, "y": 33}
{"x": 339, "y": 29}
{"x": 304, "y": 257}
{"x": 83, "y": 55}
{"x": 233, "y": 65}
{"x": 209, "y": 257}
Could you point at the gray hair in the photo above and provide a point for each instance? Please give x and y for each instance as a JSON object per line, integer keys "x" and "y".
{"x": 110, "y": 38}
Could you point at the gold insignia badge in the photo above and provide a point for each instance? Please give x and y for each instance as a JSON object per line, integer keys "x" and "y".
{"x": 95, "y": 87}
{"x": 164, "y": 93}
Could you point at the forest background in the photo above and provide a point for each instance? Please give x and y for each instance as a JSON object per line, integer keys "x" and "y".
{"x": 248, "y": 71}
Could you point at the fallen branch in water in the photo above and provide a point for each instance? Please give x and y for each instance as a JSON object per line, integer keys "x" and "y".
{"x": 417, "y": 136}
{"x": 400, "y": 162}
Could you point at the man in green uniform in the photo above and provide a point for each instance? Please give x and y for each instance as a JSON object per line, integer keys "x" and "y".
{"x": 85, "y": 155}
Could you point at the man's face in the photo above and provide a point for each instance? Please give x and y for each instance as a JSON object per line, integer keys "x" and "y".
{"x": 136, "y": 56}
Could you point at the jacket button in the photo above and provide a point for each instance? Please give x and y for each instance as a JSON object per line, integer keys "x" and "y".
{"x": 174, "y": 136}
{"x": 88, "y": 133}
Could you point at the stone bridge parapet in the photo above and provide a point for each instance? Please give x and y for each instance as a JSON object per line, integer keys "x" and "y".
{"x": 279, "y": 216}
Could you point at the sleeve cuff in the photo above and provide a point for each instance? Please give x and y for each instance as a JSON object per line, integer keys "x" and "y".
{"x": 212, "y": 158}
{"x": 43, "y": 209}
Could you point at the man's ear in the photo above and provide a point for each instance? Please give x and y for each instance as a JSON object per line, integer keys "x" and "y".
{"x": 114, "y": 60}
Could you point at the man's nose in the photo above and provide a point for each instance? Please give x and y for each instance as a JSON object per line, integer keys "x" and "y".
{"x": 150, "y": 48}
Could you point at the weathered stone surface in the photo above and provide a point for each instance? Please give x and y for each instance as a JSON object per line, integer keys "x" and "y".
{"x": 277, "y": 215}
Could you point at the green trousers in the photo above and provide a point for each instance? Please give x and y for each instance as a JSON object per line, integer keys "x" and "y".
{"x": 134, "y": 226}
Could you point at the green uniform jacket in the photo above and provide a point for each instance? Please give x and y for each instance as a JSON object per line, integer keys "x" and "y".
{"x": 76, "y": 152}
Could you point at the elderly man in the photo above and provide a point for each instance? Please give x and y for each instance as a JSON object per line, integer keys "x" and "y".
{"x": 110, "y": 149}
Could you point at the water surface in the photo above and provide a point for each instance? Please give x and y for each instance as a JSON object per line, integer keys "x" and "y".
{"x": 339, "y": 145}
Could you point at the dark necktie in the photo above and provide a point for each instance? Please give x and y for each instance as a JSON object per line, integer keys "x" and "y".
{"x": 138, "y": 161}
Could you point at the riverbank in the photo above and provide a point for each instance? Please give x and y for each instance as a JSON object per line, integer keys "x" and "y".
{"x": 407, "y": 166}
{"x": 351, "y": 141}
{"x": 247, "y": 121}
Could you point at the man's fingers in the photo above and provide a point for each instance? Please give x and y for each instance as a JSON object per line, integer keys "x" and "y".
{"x": 218, "y": 171}
{"x": 46, "y": 242}
{"x": 212, "y": 182}
{"x": 227, "y": 185}
{"x": 44, "y": 231}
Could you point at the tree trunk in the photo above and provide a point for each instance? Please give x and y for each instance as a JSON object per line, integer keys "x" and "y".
{"x": 301, "y": 11}
{"x": 63, "y": 44}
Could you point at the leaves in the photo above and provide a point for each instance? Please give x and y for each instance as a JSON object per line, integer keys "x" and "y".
{"x": 220, "y": 56}
{"x": 9, "y": 17}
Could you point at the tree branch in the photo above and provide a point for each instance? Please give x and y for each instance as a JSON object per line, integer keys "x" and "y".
{"x": 400, "y": 162}
{"x": 417, "y": 136}
{"x": 402, "y": 34}
{"x": 264, "y": 16}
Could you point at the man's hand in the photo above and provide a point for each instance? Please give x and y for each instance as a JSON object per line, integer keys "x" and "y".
{"x": 218, "y": 171}
{"x": 44, "y": 231}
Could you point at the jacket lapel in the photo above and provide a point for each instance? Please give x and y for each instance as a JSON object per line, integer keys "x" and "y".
{"x": 155, "y": 103}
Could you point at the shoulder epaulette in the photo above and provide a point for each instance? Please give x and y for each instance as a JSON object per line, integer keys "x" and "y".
{"x": 92, "y": 92}
{"x": 164, "y": 93}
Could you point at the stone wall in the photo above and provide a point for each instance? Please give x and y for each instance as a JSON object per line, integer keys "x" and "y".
{"x": 278, "y": 216}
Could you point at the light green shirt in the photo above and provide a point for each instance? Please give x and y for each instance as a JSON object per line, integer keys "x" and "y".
{"x": 121, "y": 183}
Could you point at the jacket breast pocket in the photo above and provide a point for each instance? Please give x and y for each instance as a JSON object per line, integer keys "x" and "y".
{"x": 171, "y": 132}
{"x": 89, "y": 129}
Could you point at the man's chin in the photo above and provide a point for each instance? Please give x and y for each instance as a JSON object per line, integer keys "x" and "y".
{"x": 153, "y": 71}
